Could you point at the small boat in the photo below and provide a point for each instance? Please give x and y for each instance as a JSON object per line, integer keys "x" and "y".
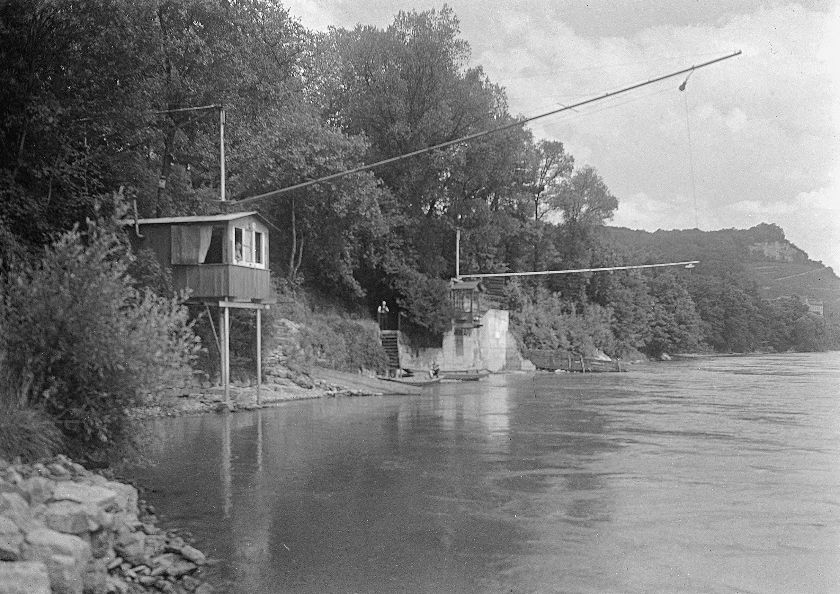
{"x": 412, "y": 380}
{"x": 549, "y": 360}
{"x": 463, "y": 375}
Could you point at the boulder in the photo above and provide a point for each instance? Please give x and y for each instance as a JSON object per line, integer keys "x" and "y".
{"x": 71, "y": 517}
{"x": 102, "y": 543}
{"x": 13, "y": 476}
{"x": 37, "y": 489}
{"x": 95, "y": 577}
{"x": 57, "y": 543}
{"x": 66, "y": 556}
{"x": 81, "y": 493}
{"x": 172, "y": 564}
{"x": 7, "y": 487}
{"x": 11, "y": 539}
{"x": 25, "y": 577}
{"x": 115, "y": 584}
{"x": 131, "y": 546}
{"x": 66, "y": 575}
{"x": 126, "y": 496}
{"x": 193, "y": 554}
{"x": 58, "y": 470}
{"x": 14, "y": 507}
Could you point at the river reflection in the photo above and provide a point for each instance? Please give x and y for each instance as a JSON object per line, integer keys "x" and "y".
{"x": 714, "y": 475}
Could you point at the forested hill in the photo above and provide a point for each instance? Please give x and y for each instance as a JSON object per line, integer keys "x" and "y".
{"x": 760, "y": 258}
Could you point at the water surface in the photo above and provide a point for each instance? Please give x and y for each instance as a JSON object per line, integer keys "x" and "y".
{"x": 709, "y": 475}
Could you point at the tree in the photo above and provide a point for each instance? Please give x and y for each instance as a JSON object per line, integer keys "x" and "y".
{"x": 543, "y": 320}
{"x": 811, "y": 333}
{"x": 323, "y": 231}
{"x": 628, "y": 297}
{"x": 99, "y": 95}
{"x": 406, "y": 88}
{"x": 584, "y": 200}
{"x": 549, "y": 168}
{"x": 675, "y": 324}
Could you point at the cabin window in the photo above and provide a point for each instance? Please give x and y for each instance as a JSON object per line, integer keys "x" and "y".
{"x": 258, "y": 247}
{"x": 215, "y": 251}
{"x": 248, "y": 247}
{"x": 237, "y": 244}
{"x": 190, "y": 243}
{"x": 462, "y": 300}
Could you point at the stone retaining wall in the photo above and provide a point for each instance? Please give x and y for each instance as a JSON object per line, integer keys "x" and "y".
{"x": 67, "y": 530}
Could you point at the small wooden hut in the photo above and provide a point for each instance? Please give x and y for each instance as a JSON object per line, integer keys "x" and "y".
{"x": 465, "y": 297}
{"x": 220, "y": 257}
{"x": 222, "y": 260}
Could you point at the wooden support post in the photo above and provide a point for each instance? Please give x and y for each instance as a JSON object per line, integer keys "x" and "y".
{"x": 259, "y": 442}
{"x": 227, "y": 482}
{"x": 224, "y": 325}
{"x": 259, "y": 356}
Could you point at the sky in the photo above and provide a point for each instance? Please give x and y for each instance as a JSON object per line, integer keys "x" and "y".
{"x": 752, "y": 139}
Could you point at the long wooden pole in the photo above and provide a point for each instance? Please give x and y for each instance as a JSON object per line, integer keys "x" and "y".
{"x": 222, "y": 151}
{"x": 517, "y": 123}
{"x": 457, "y": 252}
{"x": 687, "y": 264}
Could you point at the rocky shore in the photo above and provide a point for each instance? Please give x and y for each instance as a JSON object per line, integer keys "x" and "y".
{"x": 66, "y": 530}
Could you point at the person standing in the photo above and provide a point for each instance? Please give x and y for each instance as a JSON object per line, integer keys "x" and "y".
{"x": 382, "y": 314}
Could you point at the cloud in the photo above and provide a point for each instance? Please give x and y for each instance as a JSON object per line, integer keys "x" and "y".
{"x": 759, "y": 131}
{"x": 764, "y": 127}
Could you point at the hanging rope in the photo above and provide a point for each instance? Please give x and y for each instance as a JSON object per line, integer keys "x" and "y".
{"x": 690, "y": 149}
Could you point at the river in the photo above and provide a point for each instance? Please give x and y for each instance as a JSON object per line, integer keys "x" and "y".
{"x": 705, "y": 475}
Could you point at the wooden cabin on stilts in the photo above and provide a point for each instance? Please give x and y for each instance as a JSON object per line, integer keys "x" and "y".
{"x": 222, "y": 260}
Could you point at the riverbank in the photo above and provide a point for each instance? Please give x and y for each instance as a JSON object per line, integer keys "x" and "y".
{"x": 319, "y": 383}
{"x": 67, "y": 530}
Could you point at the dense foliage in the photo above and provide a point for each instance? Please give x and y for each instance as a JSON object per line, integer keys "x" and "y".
{"x": 81, "y": 344}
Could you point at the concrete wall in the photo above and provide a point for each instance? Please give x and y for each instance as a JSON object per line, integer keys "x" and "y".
{"x": 492, "y": 339}
{"x": 485, "y": 347}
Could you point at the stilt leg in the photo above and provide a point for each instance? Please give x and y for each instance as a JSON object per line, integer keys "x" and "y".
{"x": 259, "y": 356}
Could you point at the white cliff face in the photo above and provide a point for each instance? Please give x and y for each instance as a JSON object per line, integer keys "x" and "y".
{"x": 66, "y": 530}
{"x": 778, "y": 251}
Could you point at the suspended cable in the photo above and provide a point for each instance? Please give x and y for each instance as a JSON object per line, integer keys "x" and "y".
{"x": 517, "y": 124}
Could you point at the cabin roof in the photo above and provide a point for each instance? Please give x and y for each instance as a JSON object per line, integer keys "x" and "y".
{"x": 230, "y": 216}
{"x": 465, "y": 285}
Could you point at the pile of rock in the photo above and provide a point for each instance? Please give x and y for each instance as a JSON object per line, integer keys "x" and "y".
{"x": 65, "y": 529}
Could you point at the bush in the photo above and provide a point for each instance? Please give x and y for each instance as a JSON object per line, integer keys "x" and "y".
{"x": 28, "y": 433}
{"x": 423, "y": 300}
{"x": 545, "y": 321}
{"x": 339, "y": 343}
{"x": 82, "y": 344}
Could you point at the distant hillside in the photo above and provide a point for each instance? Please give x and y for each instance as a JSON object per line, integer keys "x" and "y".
{"x": 760, "y": 255}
